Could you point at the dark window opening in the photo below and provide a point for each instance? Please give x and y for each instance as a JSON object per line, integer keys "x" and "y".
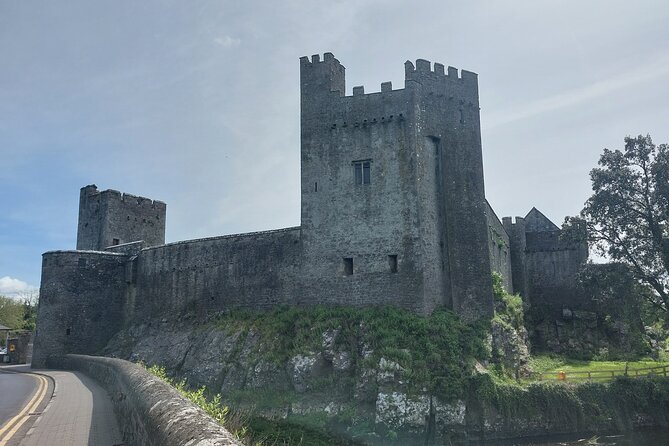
{"x": 316, "y": 186}
{"x": 115, "y": 241}
{"x": 67, "y": 332}
{"x": 363, "y": 172}
{"x": 462, "y": 117}
{"x": 392, "y": 262}
{"x": 348, "y": 266}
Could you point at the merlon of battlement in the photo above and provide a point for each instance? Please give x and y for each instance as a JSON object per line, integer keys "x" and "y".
{"x": 316, "y": 58}
{"x": 424, "y": 67}
{"x": 125, "y": 197}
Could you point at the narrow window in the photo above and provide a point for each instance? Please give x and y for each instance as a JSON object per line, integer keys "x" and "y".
{"x": 348, "y": 266}
{"x": 392, "y": 262}
{"x": 115, "y": 242}
{"x": 362, "y": 170}
{"x": 67, "y": 332}
{"x": 462, "y": 117}
{"x": 316, "y": 186}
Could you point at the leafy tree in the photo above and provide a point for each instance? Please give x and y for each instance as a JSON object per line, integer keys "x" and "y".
{"x": 11, "y": 312}
{"x": 19, "y": 313}
{"x": 29, "y": 302}
{"x": 627, "y": 216}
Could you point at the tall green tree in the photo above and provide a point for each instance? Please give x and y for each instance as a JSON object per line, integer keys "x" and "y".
{"x": 11, "y": 312}
{"x": 627, "y": 216}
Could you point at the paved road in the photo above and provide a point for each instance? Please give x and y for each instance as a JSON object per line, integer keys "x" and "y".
{"x": 15, "y": 391}
{"x": 79, "y": 414}
{"x": 56, "y": 408}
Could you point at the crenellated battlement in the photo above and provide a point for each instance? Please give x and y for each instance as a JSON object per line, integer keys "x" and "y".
{"x": 130, "y": 199}
{"x": 323, "y": 81}
{"x": 316, "y": 59}
{"x": 424, "y": 68}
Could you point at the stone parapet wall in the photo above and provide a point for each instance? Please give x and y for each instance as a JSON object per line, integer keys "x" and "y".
{"x": 150, "y": 412}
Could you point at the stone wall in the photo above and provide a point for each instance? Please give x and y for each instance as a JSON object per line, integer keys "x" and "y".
{"x": 552, "y": 265}
{"x": 499, "y": 247}
{"x": 81, "y": 302}
{"x": 254, "y": 271}
{"x": 150, "y": 412}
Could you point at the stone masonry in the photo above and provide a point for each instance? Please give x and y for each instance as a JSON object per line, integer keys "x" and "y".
{"x": 393, "y": 213}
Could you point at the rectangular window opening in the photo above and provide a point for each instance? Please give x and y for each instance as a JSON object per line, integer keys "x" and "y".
{"x": 363, "y": 171}
{"x": 316, "y": 186}
{"x": 392, "y": 262}
{"x": 348, "y": 266}
{"x": 366, "y": 173}
{"x": 115, "y": 241}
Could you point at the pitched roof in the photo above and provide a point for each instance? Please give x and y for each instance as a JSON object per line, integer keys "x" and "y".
{"x": 2, "y": 328}
{"x": 535, "y": 221}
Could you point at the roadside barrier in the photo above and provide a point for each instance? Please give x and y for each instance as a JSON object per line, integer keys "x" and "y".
{"x": 149, "y": 411}
{"x": 600, "y": 375}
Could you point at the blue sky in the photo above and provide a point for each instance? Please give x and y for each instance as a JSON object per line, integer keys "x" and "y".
{"x": 197, "y": 103}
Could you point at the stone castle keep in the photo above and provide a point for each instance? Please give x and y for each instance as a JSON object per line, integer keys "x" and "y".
{"x": 393, "y": 213}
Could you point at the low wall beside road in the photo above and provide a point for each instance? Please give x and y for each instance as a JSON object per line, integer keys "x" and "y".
{"x": 149, "y": 411}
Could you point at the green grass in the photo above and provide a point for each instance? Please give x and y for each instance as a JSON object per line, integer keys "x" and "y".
{"x": 549, "y": 367}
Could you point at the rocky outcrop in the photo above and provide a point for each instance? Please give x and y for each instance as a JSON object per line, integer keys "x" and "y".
{"x": 346, "y": 383}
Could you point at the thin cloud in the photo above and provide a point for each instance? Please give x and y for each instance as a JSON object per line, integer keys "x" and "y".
{"x": 227, "y": 41}
{"x": 10, "y": 286}
{"x": 579, "y": 95}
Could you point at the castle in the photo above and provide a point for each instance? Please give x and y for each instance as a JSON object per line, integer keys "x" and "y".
{"x": 393, "y": 213}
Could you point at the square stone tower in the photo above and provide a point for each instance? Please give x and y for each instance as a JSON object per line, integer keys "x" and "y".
{"x": 392, "y": 190}
{"x": 109, "y": 217}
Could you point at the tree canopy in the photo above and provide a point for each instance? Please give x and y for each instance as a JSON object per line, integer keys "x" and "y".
{"x": 627, "y": 216}
{"x": 20, "y": 313}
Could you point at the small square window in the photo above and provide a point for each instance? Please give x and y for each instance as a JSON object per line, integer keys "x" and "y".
{"x": 363, "y": 171}
{"x": 348, "y": 266}
{"x": 115, "y": 242}
{"x": 392, "y": 262}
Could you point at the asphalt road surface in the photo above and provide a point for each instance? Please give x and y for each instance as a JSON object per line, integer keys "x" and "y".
{"x": 15, "y": 391}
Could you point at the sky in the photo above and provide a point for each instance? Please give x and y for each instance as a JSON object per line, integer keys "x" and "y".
{"x": 196, "y": 103}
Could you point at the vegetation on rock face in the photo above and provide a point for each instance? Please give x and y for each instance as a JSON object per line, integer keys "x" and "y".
{"x": 434, "y": 353}
{"x": 400, "y": 367}
{"x": 250, "y": 429}
{"x": 508, "y": 307}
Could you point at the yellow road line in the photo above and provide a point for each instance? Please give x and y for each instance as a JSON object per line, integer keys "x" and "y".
{"x": 12, "y": 426}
